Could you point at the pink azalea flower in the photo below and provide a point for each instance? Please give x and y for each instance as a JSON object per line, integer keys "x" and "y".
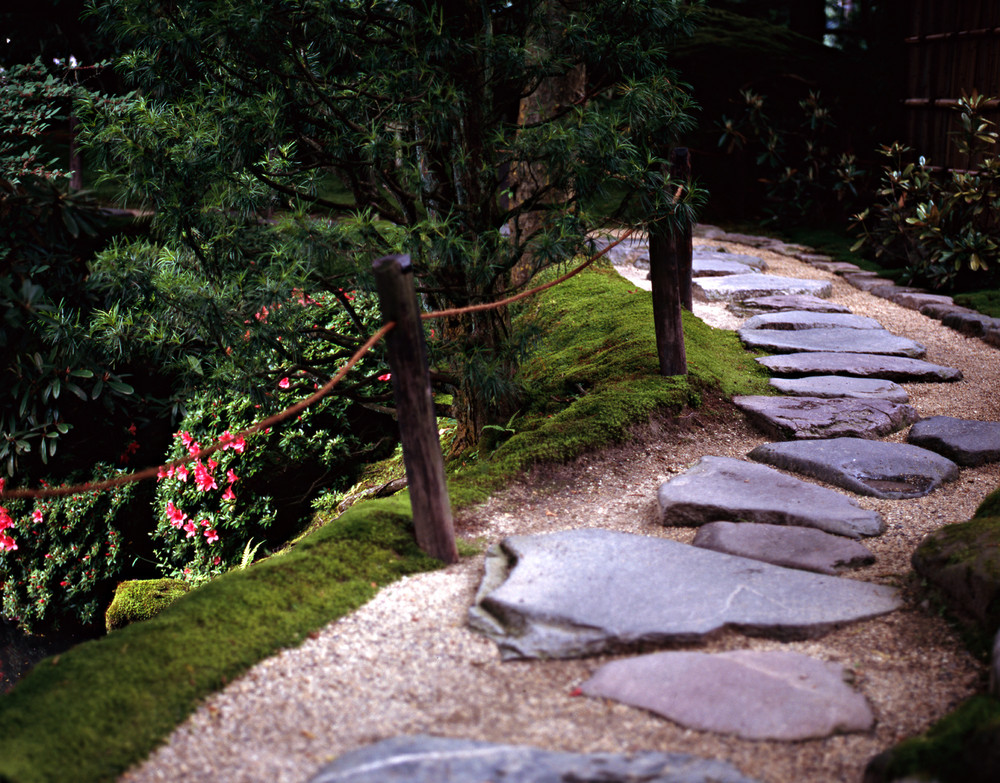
{"x": 183, "y": 473}
{"x": 211, "y": 536}
{"x": 186, "y": 438}
{"x": 191, "y": 529}
{"x": 386, "y": 377}
{"x": 216, "y": 560}
{"x": 284, "y": 383}
{"x": 37, "y": 517}
{"x": 175, "y": 515}
{"x": 212, "y": 464}
{"x": 231, "y": 475}
{"x": 203, "y": 478}
{"x": 228, "y": 494}
{"x": 7, "y": 544}
{"x": 5, "y": 519}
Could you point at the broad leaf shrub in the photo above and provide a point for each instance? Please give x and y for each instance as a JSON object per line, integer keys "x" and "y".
{"x": 56, "y": 554}
{"x": 943, "y": 228}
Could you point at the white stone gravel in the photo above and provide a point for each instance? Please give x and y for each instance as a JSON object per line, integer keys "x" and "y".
{"x": 407, "y": 663}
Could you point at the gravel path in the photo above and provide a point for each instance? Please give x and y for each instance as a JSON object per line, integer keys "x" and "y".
{"x": 406, "y": 663}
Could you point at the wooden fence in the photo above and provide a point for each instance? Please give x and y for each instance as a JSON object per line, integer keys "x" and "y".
{"x": 952, "y": 48}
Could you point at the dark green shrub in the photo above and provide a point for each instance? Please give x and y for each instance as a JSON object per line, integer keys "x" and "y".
{"x": 943, "y": 228}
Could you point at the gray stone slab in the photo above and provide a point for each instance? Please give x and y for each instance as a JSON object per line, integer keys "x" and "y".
{"x": 859, "y": 365}
{"x": 812, "y": 257}
{"x": 734, "y": 490}
{"x": 707, "y": 255}
{"x": 754, "y": 694}
{"x": 890, "y": 290}
{"x": 724, "y": 289}
{"x": 789, "y": 546}
{"x": 425, "y": 759}
{"x": 841, "y": 386}
{"x": 974, "y": 324}
{"x": 992, "y": 336}
{"x": 783, "y": 302}
{"x": 916, "y": 301}
{"x": 794, "y": 320}
{"x": 808, "y": 418}
{"x": 963, "y": 441}
{"x": 834, "y": 339}
{"x": 710, "y": 267}
{"x": 589, "y": 592}
{"x": 891, "y": 471}
{"x": 939, "y": 311}
{"x": 836, "y": 267}
{"x": 866, "y": 281}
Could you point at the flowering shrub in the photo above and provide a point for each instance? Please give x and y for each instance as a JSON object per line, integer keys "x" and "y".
{"x": 55, "y": 553}
{"x": 210, "y": 511}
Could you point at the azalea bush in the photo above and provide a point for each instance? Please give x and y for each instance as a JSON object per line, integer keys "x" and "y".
{"x": 943, "y": 228}
{"x": 60, "y": 556}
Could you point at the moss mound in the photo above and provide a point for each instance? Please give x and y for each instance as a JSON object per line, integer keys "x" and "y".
{"x": 962, "y": 747}
{"x": 141, "y": 599}
{"x": 990, "y": 507}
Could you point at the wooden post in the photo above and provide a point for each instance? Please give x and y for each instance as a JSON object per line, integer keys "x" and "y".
{"x": 418, "y": 430}
{"x": 680, "y": 171}
{"x": 667, "y": 320}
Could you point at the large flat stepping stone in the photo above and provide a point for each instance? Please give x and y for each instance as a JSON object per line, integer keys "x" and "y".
{"x": 964, "y": 441}
{"x": 793, "y": 320}
{"x": 703, "y": 253}
{"x": 781, "y": 302}
{"x": 725, "y": 289}
{"x": 589, "y": 592}
{"x": 425, "y": 759}
{"x": 860, "y": 365}
{"x": 891, "y": 471}
{"x": 791, "y": 547}
{"x": 835, "y": 339}
{"x": 841, "y": 386}
{"x": 717, "y": 267}
{"x": 825, "y": 417}
{"x": 734, "y": 490}
{"x": 754, "y": 694}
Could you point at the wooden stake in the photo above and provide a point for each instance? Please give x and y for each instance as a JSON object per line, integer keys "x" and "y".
{"x": 418, "y": 430}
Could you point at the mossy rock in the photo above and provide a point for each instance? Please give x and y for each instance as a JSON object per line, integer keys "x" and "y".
{"x": 140, "y": 599}
{"x": 962, "y": 747}
{"x": 963, "y": 560}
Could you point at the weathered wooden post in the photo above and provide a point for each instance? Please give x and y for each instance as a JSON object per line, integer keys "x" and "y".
{"x": 667, "y": 272}
{"x": 680, "y": 171}
{"x": 418, "y": 430}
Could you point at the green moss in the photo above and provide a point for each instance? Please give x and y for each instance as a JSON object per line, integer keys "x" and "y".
{"x": 985, "y": 302}
{"x": 964, "y": 746}
{"x": 141, "y": 599}
{"x": 990, "y": 507}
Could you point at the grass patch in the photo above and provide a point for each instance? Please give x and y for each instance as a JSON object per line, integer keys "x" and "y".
{"x": 90, "y": 713}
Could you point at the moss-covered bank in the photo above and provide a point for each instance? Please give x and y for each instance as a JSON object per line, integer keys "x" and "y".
{"x": 90, "y": 713}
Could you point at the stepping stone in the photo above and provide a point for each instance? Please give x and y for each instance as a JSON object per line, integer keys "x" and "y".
{"x": 590, "y": 592}
{"x": 939, "y": 311}
{"x": 964, "y": 441}
{"x": 782, "y": 302}
{"x": 891, "y": 471}
{"x": 784, "y": 545}
{"x": 859, "y": 365}
{"x": 425, "y": 759}
{"x": 916, "y": 301}
{"x": 805, "y": 418}
{"x": 974, "y": 324}
{"x": 891, "y": 290}
{"x": 754, "y": 694}
{"x": 712, "y": 267}
{"x": 734, "y": 490}
{"x": 795, "y": 320}
{"x": 867, "y": 281}
{"x": 834, "y": 339}
{"x": 836, "y": 267}
{"x": 703, "y": 254}
{"x": 724, "y": 289}
{"x": 841, "y": 386}
{"x": 992, "y": 336}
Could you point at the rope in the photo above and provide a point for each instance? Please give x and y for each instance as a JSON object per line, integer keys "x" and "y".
{"x": 301, "y": 405}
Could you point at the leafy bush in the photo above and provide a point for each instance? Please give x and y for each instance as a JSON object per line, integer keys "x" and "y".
{"x": 804, "y": 177}
{"x": 57, "y": 554}
{"x": 943, "y": 228}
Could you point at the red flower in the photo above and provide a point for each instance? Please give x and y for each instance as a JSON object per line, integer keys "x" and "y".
{"x": 203, "y": 478}
{"x": 228, "y": 494}
{"x": 190, "y": 528}
{"x": 284, "y": 383}
{"x": 386, "y": 377}
{"x": 231, "y": 475}
{"x": 211, "y": 536}
{"x": 37, "y": 517}
{"x": 175, "y": 515}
